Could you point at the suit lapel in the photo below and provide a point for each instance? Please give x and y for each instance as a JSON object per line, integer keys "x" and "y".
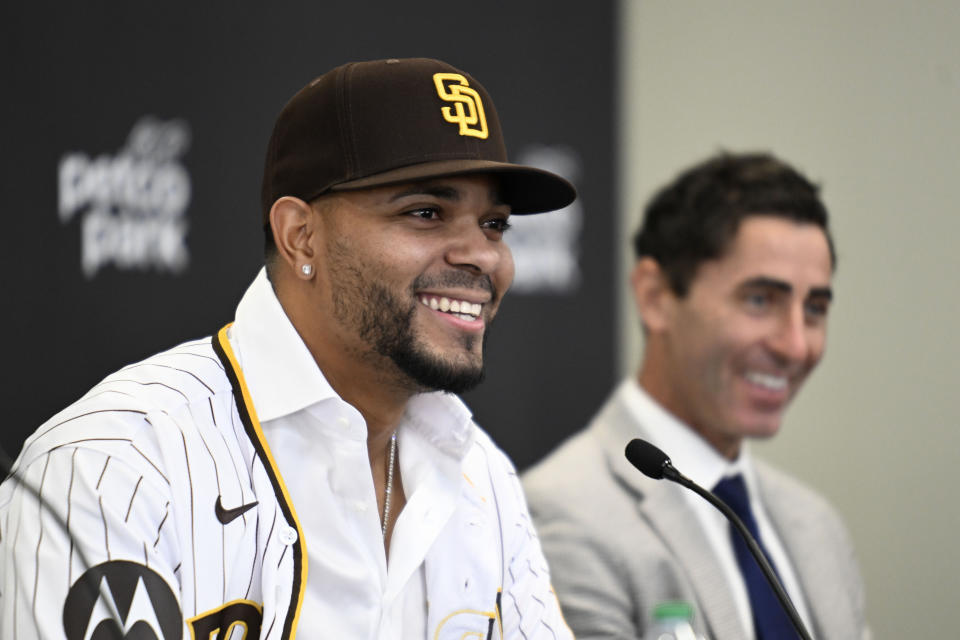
{"x": 663, "y": 505}
{"x": 803, "y": 543}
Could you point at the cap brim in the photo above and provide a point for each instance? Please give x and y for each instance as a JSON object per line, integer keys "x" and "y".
{"x": 525, "y": 189}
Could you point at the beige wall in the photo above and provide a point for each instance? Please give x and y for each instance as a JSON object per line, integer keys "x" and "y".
{"x": 865, "y": 98}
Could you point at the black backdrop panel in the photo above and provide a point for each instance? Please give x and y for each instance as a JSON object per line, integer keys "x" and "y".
{"x": 133, "y": 139}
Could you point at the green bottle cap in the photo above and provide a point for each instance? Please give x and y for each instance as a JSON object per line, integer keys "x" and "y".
{"x": 673, "y": 610}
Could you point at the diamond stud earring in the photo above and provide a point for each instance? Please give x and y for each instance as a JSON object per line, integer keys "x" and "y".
{"x": 307, "y": 269}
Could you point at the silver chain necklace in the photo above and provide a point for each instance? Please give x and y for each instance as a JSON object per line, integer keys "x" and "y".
{"x": 386, "y": 498}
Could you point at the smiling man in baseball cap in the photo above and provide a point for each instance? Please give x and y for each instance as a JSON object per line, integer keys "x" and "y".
{"x": 308, "y": 469}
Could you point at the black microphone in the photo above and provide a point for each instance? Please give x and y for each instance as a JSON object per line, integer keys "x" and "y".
{"x": 654, "y": 463}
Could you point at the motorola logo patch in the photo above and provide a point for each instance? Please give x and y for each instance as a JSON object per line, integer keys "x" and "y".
{"x": 121, "y": 600}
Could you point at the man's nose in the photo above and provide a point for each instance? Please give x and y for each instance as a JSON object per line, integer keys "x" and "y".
{"x": 470, "y": 248}
{"x": 791, "y": 339}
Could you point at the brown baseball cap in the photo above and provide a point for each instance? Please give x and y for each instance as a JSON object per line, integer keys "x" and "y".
{"x": 382, "y": 122}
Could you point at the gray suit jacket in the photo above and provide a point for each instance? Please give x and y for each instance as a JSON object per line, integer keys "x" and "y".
{"x": 618, "y": 542}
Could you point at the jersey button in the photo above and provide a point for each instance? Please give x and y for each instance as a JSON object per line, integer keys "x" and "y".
{"x": 288, "y": 535}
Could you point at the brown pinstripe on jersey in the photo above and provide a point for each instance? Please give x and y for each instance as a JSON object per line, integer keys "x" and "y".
{"x": 119, "y": 419}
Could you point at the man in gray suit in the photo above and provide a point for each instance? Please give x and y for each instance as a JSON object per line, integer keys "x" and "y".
{"x": 732, "y": 282}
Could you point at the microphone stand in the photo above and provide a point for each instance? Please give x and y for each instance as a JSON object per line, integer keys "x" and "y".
{"x": 670, "y": 473}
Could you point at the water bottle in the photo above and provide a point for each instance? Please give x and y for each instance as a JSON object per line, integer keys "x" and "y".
{"x": 672, "y": 621}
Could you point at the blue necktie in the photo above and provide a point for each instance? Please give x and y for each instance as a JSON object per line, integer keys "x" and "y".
{"x": 770, "y": 621}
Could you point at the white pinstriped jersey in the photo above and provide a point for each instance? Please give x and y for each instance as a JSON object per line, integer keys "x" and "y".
{"x": 179, "y": 522}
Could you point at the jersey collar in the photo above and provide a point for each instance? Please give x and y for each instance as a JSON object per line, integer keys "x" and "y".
{"x": 283, "y": 377}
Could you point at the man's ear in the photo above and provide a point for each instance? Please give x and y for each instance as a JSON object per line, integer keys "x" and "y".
{"x": 652, "y": 294}
{"x": 294, "y": 224}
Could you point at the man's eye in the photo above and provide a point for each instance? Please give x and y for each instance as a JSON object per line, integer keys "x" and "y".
{"x": 757, "y": 301}
{"x": 426, "y": 213}
{"x": 817, "y": 308}
{"x": 497, "y": 224}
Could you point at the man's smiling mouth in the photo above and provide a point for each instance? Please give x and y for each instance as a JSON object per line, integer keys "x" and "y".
{"x": 462, "y": 309}
{"x": 767, "y": 381}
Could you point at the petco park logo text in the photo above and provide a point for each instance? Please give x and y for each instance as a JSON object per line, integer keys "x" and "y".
{"x": 133, "y": 202}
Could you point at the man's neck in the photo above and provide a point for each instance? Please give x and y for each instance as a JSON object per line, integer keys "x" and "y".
{"x": 367, "y": 381}
{"x": 652, "y": 385}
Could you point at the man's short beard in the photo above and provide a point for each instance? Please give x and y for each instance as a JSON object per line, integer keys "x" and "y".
{"x": 389, "y": 329}
{"x": 429, "y": 371}
{"x": 386, "y": 324}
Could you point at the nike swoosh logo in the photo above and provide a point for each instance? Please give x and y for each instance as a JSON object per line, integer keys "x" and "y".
{"x": 226, "y": 516}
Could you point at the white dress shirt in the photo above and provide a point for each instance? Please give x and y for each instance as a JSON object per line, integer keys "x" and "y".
{"x": 700, "y": 462}
{"x": 320, "y": 444}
